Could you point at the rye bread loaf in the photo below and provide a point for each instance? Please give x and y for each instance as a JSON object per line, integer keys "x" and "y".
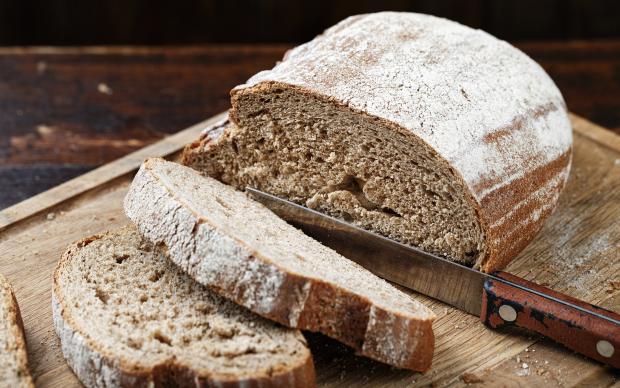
{"x": 413, "y": 126}
{"x": 13, "y": 353}
{"x": 127, "y": 316}
{"x": 243, "y": 251}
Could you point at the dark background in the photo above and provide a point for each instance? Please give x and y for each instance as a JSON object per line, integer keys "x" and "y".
{"x": 144, "y": 22}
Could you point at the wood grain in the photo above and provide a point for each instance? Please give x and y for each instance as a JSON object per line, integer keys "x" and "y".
{"x": 92, "y": 105}
{"x": 102, "y": 175}
{"x": 68, "y": 110}
{"x": 577, "y": 253}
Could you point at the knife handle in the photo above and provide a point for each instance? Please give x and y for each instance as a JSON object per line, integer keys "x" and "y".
{"x": 508, "y": 300}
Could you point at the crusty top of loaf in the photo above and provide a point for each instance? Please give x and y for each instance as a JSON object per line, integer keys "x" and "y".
{"x": 482, "y": 104}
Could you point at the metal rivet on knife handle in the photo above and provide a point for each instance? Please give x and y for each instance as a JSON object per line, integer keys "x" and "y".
{"x": 507, "y": 313}
{"x": 605, "y": 348}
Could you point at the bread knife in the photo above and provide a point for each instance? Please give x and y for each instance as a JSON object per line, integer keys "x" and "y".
{"x": 499, "y": 299}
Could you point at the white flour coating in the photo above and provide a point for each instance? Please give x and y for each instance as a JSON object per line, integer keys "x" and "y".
{"x": 214, "y": 130}
{"x": 398, "y": 340}
{"x": 542, "y": 196}
{"x": 295, "y": 311}
{"x": 89, "y": 365}
{"x": 483, "y": 105}
{"x": 223, "y": 262}
{"x": 570, "y": 258}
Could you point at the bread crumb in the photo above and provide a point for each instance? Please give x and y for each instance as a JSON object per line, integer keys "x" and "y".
{"x": 614, "y": 285}
{"x": 104, "y": 89}
{"x": 524, "y": 370}
{"x": 51, "y": 216}
{"x": 471, "y": 378}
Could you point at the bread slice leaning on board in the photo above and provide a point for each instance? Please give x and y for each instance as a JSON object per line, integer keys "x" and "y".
{"x": 13, "y": 353}
{"x": 127, "y": 316}
{"x": 240, "y": 249}
{"x": 416, "y": 127}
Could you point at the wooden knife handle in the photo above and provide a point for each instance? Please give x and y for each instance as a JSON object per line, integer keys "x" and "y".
{"x": 580, "y": 326}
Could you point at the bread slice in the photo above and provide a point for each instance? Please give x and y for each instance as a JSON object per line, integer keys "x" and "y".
{"x": 246, "y": 253}
{"x": 13, "y": 353}
{"x": 416, "y": 127}
{"x": 127, "y": 316}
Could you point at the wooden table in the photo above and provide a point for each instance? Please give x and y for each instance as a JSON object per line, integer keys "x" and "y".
{"x": 67, "y": 111}
{"x": 64, "y": 111}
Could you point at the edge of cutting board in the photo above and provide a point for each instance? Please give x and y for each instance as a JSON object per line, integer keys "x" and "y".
{"x": 101, "y": 175}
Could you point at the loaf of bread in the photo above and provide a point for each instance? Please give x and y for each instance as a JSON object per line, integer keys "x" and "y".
{"x": 240, "y": 249}
{"x": 13, "y": 353}
{"x": 418, "y": 128}
{"x": 128, "y": 317}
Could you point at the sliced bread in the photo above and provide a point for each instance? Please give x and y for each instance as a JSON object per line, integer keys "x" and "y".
{"x": 242, "y": 250}
{"x": 127, "y": 316}
{"x": 13, "y": 353}
{"x": 416, "y": 127}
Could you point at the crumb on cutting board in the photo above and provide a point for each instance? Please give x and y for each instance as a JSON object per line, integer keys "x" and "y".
{"x": 613, "y": 286}
{"x": 471, "y": 378}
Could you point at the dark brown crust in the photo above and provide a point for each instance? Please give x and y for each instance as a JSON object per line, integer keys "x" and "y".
{"x": 506, "y": 239}
{"x": 172, "y": 373}
{"x": 20, "y": 336}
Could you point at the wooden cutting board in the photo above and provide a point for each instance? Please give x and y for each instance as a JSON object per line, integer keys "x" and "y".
{"x": 577, "y": 252}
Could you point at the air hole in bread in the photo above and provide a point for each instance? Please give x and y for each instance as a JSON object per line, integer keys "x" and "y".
{"x": 120, "y": 258}
{"x": 156, "y": 275}
{"x": 102, "y": 295}
{"x": 134, "y": 343}
{"x": 159, "y": 336}
{"x": 355, "y": 186}
{"x": 260, "y": 112}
